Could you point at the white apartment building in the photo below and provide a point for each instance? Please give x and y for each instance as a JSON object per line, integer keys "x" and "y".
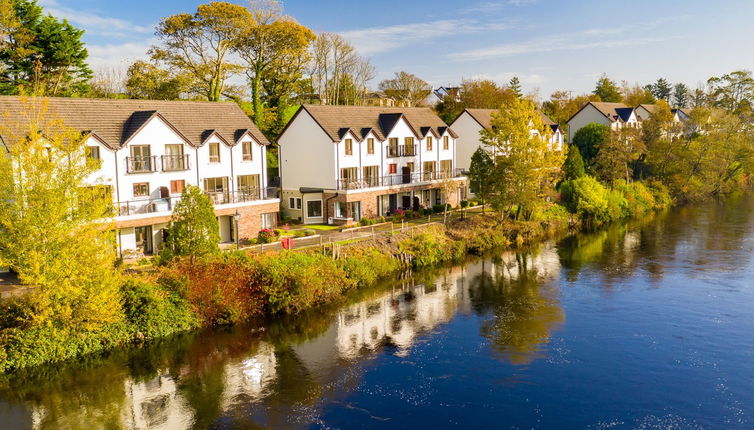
{"x": 470, "y": 123}
{"x": 613, "y": 115}
{"x": 150, "y": 150}
{"x": 341, "y": 163}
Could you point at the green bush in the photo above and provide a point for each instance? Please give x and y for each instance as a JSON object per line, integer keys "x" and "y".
{"x": 366, "y": 266}
{"x": 586, "y": 197}
{"x": 464, "y": 203}
{"x": 293, "y": 282}
{"x": 430, "y": 247}
{"x": 154, "y": 312}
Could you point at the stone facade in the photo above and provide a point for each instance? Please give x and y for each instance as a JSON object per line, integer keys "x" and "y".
{"x": 251, "y": 217}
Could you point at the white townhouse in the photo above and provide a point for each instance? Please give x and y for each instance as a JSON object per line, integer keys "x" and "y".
{"x": 150, "y": 150}
{"x": 613, "y": 115}
{"x": 470, "y": 123}
{"x": 645, "y": 111}
{"x": 341, "y": 163}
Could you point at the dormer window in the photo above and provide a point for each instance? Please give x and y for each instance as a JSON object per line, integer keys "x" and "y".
{"x": 246, "y": 150}
{"x": 445, "y": 142}
{"x": 92, "y": 152}
{"x": 214, "y": 152}
{"x": 370, "y": 146}
{"x": 429, "y": 143}
{"x": 349, "y": 146}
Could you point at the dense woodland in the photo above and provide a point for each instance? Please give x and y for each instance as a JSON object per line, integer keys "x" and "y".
{"x": 268, "y": 63}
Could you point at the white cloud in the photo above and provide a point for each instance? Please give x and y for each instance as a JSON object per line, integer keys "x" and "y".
{"x": 93, "y": 23}
{"x": 563, "y": 42}
{"x": 117, "y": 55}
{"x": 494, "y": 6}
{"x": 381, "y": 39}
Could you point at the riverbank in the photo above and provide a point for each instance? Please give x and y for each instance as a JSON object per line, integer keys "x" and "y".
{"x": 233, "y": 287}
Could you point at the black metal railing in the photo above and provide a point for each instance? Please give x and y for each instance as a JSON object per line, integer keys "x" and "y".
{"x": 167, "y": 204}
{"x": 141, "y": 164}
{"x": 393, "y": 151}
{"x": 175, "y": 163}
{"x": 397, "y": 179}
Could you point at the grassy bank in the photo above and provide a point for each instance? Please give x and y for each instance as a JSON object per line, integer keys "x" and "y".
{"x": 232, "y": 287}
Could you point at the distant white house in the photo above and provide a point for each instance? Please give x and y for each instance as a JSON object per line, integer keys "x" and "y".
{"x": 645, "y": 111}
{"x": 341, "y": 163}
{"x": 613, "y": 115}
{"x": 150, "y": 150}
{"x": 470, "y": 123}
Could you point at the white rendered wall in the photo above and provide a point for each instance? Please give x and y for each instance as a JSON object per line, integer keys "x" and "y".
{"x": 307, "y": 155}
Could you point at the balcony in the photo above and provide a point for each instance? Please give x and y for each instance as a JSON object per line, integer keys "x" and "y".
{"x": 398, "y": 179}
{"x": 167, "y": 204}
{"x": 175, "y": 163}
{"x": 141, "y": 164}
{"x": 394, "y": 151}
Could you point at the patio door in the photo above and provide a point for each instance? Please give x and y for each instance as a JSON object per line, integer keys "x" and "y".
{"x": 143, "y": 236}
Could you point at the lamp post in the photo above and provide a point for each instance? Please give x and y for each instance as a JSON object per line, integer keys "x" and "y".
{"x": 237, "y": 217}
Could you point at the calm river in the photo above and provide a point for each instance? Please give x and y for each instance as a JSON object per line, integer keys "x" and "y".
{"x": 649, "y": 325}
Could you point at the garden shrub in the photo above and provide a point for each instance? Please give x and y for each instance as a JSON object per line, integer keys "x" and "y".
{"x": 220, "y": 290}
{"x": 266, "y": 235}
{"x": 153, "y": 311}
{"x": 431, "y": 246}
{"x": 293, "y": 282}
{"x": 366, "y": 266}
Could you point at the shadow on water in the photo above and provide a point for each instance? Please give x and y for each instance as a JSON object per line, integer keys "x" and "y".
{"x": 287, "y": 373}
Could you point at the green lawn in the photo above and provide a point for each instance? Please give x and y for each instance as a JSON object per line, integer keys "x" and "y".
{"x": 321, "y": 227}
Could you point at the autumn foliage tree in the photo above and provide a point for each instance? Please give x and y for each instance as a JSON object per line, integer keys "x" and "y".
{"x": 56, "y": 232}
{"x": 525, "y": 164}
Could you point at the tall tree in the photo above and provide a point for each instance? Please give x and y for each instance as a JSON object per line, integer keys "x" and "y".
{"x": 481, "y": 174}
{"x": 680, "y": 95}
{"x": 525, "y": 166}
{"x": 515, "y": 86}
{"x": 733, "y": 92}
{"x": 661, "y": 89}
{"x": 562, "y": 105}
{"x": 607, "y": 90}
{"x": 616, "y": 155}
{"x": 108, "y": 82}
{"x": 145, "y": 80}
{"x": 199, "y": 45}
{"x": 406, "y": 88}
{"x": 338, "y": 74}
{"x": 573, "y": 166}
{"x": 274, "y": 47}
{"x": 41, "y": 50}
{"x": 636, "y": 95}
{"x": 56, "y": 224}
{"x": 480, "y": 94}
{"x": 193, "y": 230}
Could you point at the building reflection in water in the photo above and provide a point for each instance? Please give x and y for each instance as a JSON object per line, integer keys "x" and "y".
{"x": 513, "y": 294}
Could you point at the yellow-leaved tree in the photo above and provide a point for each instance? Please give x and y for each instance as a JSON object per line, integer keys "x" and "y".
{"x": 55, "y": 221}
{"x": 526, "y": 164}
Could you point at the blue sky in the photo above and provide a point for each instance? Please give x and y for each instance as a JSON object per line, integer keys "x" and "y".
{"x": 549, "y": 44}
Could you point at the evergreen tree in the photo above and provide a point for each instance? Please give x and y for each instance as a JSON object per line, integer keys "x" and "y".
{"x": 515, "y": 86}
{"x": 41, "y": 49}
{"x": 661, "y": 89}
{"x": 480, "y": 173}
{"x": 193, "y": 230}
{"x": 573, "y": 167}
{"x": 680, "y": 95}
{"x": 607, "y": 90}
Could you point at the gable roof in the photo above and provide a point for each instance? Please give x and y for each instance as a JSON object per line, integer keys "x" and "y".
{"x": 360, "y": 120}
{"x": 116, "y": 121}
{"x": 612, "y": 111}
{"x": 484, "y": 118}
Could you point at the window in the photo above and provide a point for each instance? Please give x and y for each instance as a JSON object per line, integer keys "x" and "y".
{"x": 141, "y": 189}
{"x": 445, "y": 142}
{"x": 314, "y": 208}
{"x": 408, "y": 146}
{"x": 292, "y": 202}
{"x": 173, "y": 159}
{"x": 246, "y": 150}
{"x": 370, "y": 146}
{"x": 270, "y": 220}
{"x": 141, "y": 158}
{"x": 410, "y": 166}
{"x": 298, "y": 203}
{"x": 446, "y": 166}
{"x": 430, "y": 167}
{"x": 392, "y": 149}
{"x": 371, "y": 175}
{"x": 93, "y": 152}
{"x": 214, "y": 152}
{"x": 392, "y": 168}
{"x": 340, "y": 210}
{"x": 349, "y": 146}
{"x": 176, "y": 187}
{"x": 349, "y": 173}
{"x": 248, "y": 183}
{"x": 429, "y": 143}
{"x": 215, "y": 184}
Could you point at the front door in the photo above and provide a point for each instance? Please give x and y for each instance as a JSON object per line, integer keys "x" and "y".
{"x": 406, "y": 203}
{"x": 393, "y": 203}
{"x": 144, "y": 239}
{"x": 406, "y": 171}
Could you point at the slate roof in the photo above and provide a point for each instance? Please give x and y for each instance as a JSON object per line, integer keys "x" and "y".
{"x": 484, "y": 118}
{"x": 336, "y": 121}
{"x": 115, "y": 121}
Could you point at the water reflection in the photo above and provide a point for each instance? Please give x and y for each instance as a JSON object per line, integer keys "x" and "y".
{"x": 288, "y": 373}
